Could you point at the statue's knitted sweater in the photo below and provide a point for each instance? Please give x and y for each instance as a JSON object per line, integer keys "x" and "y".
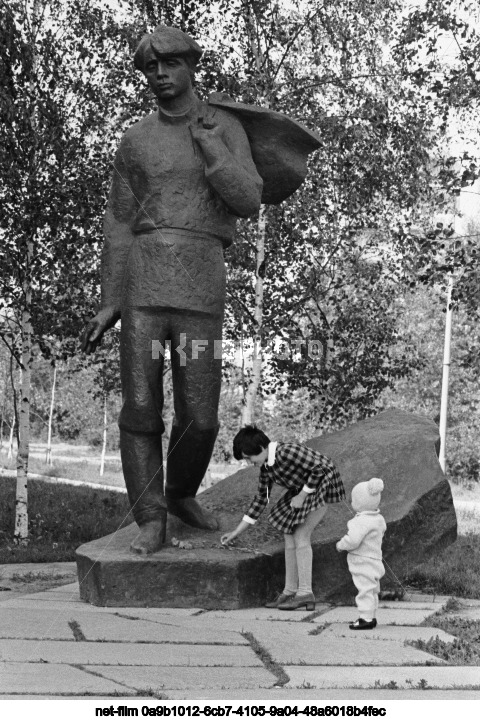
{"x": 162, "y": 183}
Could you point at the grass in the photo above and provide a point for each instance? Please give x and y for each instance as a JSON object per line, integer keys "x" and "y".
{"x": 389, "y": 685}
{"x": 318, "y": 629}
{"x": 266, "y": 659}
{"x": 30, "y": 577}
{"x": 78, "y": 634}
{"x": 61, "y": 518}
{"x": 422, "y": 685}
{"x": 453, "y": 572}
{"x": 76, "y": 468}
{"x": 464, "y": 650}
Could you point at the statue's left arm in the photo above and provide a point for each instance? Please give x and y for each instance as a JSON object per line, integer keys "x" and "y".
{"x": 229, "y": 167}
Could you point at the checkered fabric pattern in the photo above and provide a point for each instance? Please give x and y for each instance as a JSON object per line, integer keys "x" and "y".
{"x": 296, "y": 466}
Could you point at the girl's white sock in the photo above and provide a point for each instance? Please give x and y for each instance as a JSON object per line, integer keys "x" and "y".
{"x": 304, "y": 564}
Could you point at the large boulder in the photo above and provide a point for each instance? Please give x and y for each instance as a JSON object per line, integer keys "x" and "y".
{"x": 194, "y": 570}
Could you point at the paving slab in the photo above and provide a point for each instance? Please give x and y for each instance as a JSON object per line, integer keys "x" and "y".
{"x": 273, "y": 694}
{"x": 66, "y": 590}
{"x": 385, "y": 616}
{"x": 106, "y": 627}
{"x": 392, "y": 633}
{"x": 17, "y": 586}
{"x": 418, "y": 597}
{"x": 151, "y": 614}
{"x": 263, "y": 614}
{"x": 193, "y": 679}
{"x": 366, "y": 677}
{"x": 294, "y": 644}
{"x": 432, "y": 606}
{"x": 123, "y": 654}
{"x": 34, "y": 624}
{"x": 44, "y": 678}
{"x": 68, "y": 596}
{"x": 24, "y": 601}
{"x": 51, "y": 598}
{"x": 326, "y": 695}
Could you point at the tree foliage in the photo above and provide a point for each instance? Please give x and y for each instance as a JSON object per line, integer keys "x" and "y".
{"x": 368, "y": 77}
{"x": 439, "y": 48}
{"x": 341, "y": 250}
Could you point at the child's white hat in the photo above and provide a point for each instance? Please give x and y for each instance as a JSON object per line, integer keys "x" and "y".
{"x": 366, "y": 496}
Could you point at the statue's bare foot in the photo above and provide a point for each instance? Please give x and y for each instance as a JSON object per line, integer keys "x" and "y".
{"x": 150, "y": 538}
{"x": 191, "y": 513}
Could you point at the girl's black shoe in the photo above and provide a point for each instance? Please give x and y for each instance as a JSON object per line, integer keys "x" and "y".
{"x": 281, "y": 598}
{"x": 298, "y": 602}
{"x": 362, "y": 625}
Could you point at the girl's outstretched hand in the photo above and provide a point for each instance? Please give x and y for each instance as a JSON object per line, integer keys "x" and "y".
{"x": 227, "y": 537}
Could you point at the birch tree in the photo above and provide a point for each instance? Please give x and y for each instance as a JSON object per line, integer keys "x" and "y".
{"x": 55, "y": 104}
{"x": 48, "y": 452}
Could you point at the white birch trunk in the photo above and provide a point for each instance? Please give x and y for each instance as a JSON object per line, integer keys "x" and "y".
{"x": 4, "y": 406}
{"x": 10, "y": 442}
{"x": 20, "y": 535}
{"x": 104, "y": 445}
{"x": 242, "y": 358}
{"x": 248, "y": 411}
{"x": 48, "y": 454}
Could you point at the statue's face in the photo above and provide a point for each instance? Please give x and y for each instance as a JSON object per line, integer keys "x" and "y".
{"x": 168, "y": 77}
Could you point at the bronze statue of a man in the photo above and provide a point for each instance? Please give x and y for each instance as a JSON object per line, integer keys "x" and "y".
{"x": 182, "y": 176}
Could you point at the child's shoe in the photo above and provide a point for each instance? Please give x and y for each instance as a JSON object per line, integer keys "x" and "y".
{"x": 298, "y": 601}
{"x": 361, "y": 625}
{"x": 281, "y": 598}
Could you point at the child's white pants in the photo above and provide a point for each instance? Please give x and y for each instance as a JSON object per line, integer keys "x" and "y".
{"x": 366, "y": 575}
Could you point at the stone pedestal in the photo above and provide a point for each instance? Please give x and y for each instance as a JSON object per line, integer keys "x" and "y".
{"x": 193, "y": 570}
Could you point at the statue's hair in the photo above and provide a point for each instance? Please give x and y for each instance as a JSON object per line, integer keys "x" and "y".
{"x": 166, "y": 41}
{"x": 249, "y": 441}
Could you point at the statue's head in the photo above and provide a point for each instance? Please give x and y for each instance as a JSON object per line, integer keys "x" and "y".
{"x": 164, "y": 42}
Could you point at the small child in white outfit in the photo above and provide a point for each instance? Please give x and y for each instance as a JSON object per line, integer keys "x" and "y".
{"x": 364, "y": 545}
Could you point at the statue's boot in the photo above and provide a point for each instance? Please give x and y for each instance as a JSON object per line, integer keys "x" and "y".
{"x": 189, "y": 454}
{"x": 151, "y": 537}
{"x": 143, "y": 473}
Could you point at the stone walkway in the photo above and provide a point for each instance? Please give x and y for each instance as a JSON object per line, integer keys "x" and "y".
{"x": 55, "y": 646}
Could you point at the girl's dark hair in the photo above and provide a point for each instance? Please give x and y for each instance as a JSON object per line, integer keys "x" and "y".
{"x": 249, "y": 441}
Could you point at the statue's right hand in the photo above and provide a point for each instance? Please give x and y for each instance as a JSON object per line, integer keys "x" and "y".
{"x": 105, "y": 319}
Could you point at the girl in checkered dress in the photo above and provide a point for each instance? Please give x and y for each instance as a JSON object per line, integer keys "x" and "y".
{"x": 311, "y": 481}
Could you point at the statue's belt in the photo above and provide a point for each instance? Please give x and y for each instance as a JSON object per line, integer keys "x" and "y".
{"x": 179, "y": 234}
